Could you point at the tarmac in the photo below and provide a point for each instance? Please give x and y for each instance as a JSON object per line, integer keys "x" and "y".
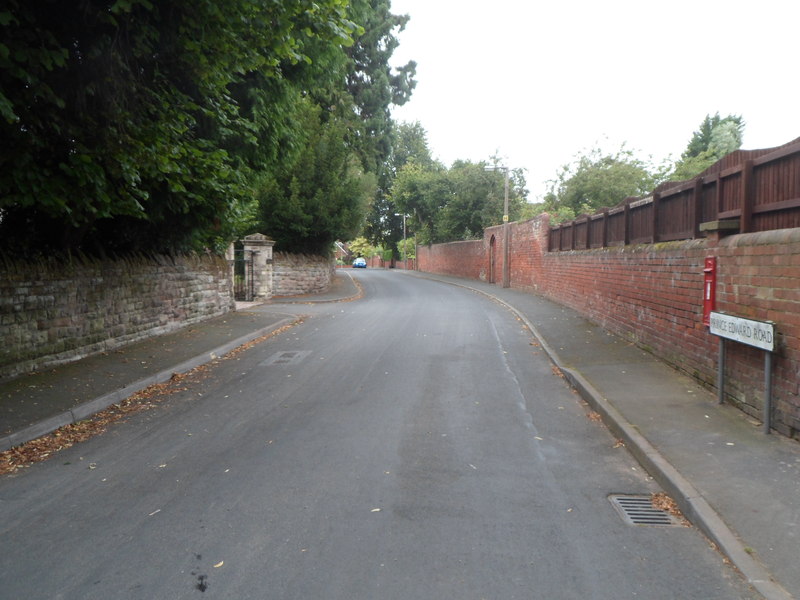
{"x": 738, "y": 485}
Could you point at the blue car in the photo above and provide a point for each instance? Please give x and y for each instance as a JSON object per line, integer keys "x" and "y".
{"x": 359, "y": 263}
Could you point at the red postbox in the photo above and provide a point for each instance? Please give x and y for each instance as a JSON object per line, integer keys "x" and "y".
{"x": 709, "y": 288}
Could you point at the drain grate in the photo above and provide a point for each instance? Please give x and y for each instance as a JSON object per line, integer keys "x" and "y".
{"x": 287, "y": 357}
{"x": 639, "y": 510}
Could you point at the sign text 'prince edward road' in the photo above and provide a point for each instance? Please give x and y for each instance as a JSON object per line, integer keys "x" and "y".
{"x": 760, "y": 334}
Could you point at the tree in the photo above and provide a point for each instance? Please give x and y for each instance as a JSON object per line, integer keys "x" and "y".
{"x": 407, "y": 248}
{"x": 371, "y": 81}
{"x": 421, "y": 193}
{"x": 384, "y": 224}
{"x": 477, "y": 200}
{"x": 596, "y": 180}
{"x": 716, "y": 137}
{"x": 354, "y": 92}
{"x": 375, "y": 86}
{"x": 410, "y": 143}
{"x": 321, "y": 196}
{"x": 361, "y": 247}
{"x": 456, "y": 203}
{"x": 119, "y": 128}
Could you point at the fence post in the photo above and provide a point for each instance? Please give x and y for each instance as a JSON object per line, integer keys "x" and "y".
{"x": 748, "y": 199}
{"x": 717, "y": 196}
{"x": 573, "y": 236}
{"x": 588, "y": 243}
{"x": 626, "y": 234}
{"x": 697, "y": 207}
{"x": 605, "y": 227}
{"x": 656, "y": 202}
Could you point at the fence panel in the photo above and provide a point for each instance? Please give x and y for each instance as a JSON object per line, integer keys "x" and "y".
{"x": 641, "y": 222}
{"x": 581, "y": 233}
{"x": 597, "y": 230}
{"x": 676, "y": 216}
{"x": 760, "y": 188}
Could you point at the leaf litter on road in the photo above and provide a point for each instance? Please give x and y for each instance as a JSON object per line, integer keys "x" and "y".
{"x": 64, "y": 437}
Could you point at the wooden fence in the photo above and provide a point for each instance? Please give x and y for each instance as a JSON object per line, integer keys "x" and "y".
{"x": 746, "y": 191}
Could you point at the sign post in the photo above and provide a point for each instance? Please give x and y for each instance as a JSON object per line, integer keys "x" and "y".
{"x": 760, "y": 334}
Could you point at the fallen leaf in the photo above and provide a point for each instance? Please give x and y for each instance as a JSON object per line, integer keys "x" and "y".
{"x": 64, "y": 437}
{"x": 594, "y": 416}
{"x": 662, "y": 501}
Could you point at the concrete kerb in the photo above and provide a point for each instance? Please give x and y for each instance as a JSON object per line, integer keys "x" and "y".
{"x": 87, "y": 409}
{"x": 694, "y": 507}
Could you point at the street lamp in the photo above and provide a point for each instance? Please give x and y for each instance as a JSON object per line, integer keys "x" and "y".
{"x": 506, "y": 251}
{"x": 405, "y": 249}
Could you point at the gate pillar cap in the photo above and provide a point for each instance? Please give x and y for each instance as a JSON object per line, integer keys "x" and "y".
{"x": 258, "y": 239}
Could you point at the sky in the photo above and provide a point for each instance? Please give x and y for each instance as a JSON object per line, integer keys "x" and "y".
{"x": 540, "y": 81}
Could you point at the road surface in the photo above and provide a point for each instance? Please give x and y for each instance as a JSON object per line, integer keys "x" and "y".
{"x": 413, "y": 444}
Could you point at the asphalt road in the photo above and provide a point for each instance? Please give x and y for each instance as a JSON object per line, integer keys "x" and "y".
{"x": 412, "y": 444}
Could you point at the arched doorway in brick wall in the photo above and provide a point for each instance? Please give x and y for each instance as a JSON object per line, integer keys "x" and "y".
{"x": 492, "y": 258}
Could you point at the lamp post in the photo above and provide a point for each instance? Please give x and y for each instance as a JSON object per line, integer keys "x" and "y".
{"x": 405, "y": 250}
{"x": 506, "y": 245}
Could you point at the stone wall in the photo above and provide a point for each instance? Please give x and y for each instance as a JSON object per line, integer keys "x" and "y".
{"x": 298, "y": 274}
{"x": 652, "y": 295}
{"x": 52, "y": 313}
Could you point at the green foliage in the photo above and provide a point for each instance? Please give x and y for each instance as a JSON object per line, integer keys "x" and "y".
{"x": 411, "y": 144}
{"x": 321, "y": 195}
{"x": 716, "y": 137}
{"x": 456, "y": 203}
{"x": 384, "y": 224}
{"x": 407, "y": 248}
{"x": 355, "y": 89}
{"x": 374, "y": 87}
{"x": 361, "y": 247}
{"x": 121, "y": 131}
{"x": 716, "y": 133}
{"x": 596, "y": 180}
{"x": 371, "y": 81}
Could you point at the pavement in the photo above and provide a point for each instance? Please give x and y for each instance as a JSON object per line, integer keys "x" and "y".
{"x": 736, "y": 484}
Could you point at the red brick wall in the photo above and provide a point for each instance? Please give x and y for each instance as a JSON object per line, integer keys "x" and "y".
{"x": 652, "y": 295}
{"x": 462, "y": 259}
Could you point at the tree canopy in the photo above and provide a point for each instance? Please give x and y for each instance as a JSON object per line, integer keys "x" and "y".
{"x": 320, "y": 196}
{"x": 716, "y": 137}
{"x": 598, "y": 179}
{"x": 456, "y": 203}
{"x": 384, "y": 223}
{"x": 149, "y": 125}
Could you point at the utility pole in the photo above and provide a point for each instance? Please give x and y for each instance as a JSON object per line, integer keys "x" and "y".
{"x": 506, "y": 228}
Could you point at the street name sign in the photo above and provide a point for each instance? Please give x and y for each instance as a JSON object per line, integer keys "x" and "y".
{"x": 760, "y": 334}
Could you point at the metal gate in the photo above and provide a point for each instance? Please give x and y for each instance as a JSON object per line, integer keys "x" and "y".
{"x": 243, "y": 275}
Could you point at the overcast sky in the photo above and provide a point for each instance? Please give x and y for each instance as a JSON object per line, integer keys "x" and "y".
{"x": 541, "y": 80}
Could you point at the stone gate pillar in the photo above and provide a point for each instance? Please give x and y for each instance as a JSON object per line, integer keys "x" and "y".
{"x": 258, "y": 248}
